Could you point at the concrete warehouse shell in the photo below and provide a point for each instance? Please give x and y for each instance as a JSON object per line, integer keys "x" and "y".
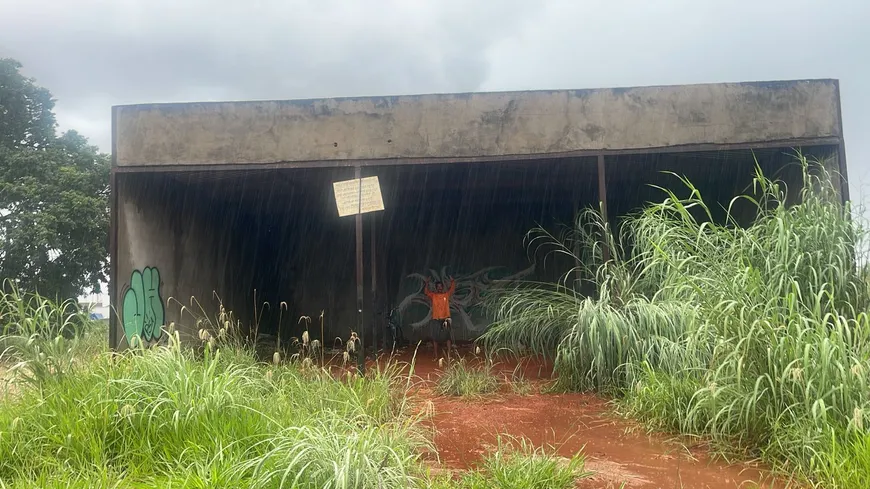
{"x": 224, "y": 198}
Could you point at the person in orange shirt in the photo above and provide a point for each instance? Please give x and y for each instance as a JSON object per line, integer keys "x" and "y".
{"x": 442, "y": 331}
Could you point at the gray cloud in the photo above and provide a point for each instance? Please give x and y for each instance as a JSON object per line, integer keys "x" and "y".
{"x": 93, "y": 54}
{"x": 96, "y": 53}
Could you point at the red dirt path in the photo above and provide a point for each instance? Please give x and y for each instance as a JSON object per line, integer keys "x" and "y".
{"x": 615, "y": 449}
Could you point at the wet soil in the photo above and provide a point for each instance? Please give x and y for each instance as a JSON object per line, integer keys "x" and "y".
{"x": 616, "y": 450}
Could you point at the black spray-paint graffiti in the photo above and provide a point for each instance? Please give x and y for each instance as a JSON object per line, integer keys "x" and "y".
{"x": 143, "y": 312}
{"x": 466, "y": 305}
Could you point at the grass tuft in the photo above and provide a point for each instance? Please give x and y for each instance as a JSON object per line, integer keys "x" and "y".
{"x": 463, "y": 379}
{"x": 514, "y": 463}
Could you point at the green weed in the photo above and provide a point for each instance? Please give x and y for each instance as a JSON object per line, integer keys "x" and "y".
{"x": 463, "y": 379}
{"x": 514, "y": 463}
{"x": 518, "y": 382}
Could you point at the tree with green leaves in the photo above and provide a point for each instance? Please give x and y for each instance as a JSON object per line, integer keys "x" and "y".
{"x": 54, "y": 214}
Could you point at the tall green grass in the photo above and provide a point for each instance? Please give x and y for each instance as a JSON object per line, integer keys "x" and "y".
{"x": 171, "y": 416}
{"x": 40, "y": 337}
{"x": 756, "y": 337}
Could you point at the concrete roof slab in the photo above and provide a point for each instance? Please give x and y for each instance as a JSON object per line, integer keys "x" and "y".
{"x": 474, "y": 125}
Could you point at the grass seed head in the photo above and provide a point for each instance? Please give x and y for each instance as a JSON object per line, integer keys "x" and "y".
{"x": 276, "y": 358}
{"x": 797, "y": 374}
{"x": 858, "y": 419}
{"x": 713, "y": 388}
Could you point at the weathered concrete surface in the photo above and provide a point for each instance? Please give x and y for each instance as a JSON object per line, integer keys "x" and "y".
{"x": 475, "y": 125}
{"x": 176, "y": 233}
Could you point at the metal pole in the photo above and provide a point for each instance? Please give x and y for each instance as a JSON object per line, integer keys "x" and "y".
{"x": 375, "y": 325}
{"x": 361, "y": 353}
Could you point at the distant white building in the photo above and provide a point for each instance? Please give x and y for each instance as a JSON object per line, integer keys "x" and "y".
{"x": 96, "y": 309}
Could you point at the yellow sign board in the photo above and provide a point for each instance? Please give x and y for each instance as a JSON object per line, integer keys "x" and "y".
{"x": 348, "y": 193}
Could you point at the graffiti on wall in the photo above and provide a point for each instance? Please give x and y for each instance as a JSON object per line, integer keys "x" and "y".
{"x": 142, "y": 312}
{"x": 466, "y": 304}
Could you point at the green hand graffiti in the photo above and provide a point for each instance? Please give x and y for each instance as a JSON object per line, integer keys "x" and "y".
{"x": 143, "y": 307}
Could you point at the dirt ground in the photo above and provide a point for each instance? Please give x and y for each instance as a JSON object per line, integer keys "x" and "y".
{"x": 617, "y": 450}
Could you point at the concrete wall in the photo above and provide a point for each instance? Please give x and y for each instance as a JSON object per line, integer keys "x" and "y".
{"x": 181, "y": 236}
{"x": 474, "y": 125}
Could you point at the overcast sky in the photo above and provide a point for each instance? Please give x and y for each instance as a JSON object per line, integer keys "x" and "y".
{"x": 94, "y": 54}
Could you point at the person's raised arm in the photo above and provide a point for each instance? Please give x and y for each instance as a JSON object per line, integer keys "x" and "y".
{"x": 426, "y": 286}
{"x": 452, "y": 288}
